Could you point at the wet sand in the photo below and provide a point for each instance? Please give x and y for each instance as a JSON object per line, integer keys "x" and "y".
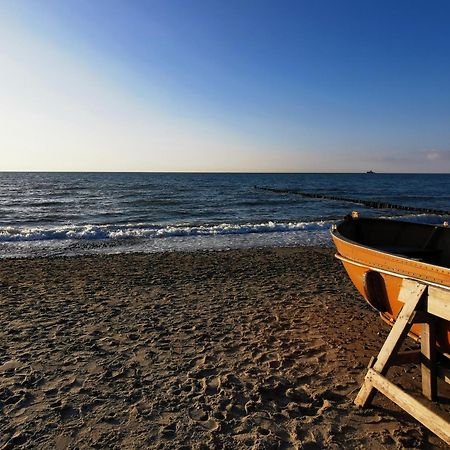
{"x": 237, "y": 349}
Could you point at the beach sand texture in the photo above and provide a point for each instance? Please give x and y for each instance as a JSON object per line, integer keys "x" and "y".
{"x": 237, "y": 349}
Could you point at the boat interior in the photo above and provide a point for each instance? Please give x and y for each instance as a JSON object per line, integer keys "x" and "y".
{"x": 422, "y": 242}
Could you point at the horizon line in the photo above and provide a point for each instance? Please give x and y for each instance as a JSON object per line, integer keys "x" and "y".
{"x": 224, "y": 172}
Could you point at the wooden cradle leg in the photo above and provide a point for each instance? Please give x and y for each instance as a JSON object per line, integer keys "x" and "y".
{"x": 411, "y": 294}
{"x": 428, "y": 359}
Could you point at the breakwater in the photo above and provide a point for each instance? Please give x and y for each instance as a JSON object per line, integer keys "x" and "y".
{"x": 368, "y": 203}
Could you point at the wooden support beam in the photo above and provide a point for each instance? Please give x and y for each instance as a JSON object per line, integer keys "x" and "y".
{"x": 437, "y": 424}
{"x": 438, "y": 303}
{"x": 428, "y": 359}
{"x": 411, "y": 294}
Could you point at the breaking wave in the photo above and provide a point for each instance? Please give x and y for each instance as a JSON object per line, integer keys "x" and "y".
{"x": 97, "y": 232}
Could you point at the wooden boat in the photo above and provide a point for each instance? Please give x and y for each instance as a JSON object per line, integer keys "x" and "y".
{"x": 379, "y": 253}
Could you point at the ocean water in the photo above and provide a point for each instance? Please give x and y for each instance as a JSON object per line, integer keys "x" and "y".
{"x": 89, "y": 213}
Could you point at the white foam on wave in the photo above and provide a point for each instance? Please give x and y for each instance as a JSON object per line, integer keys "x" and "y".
{"x": 97, "y": 232}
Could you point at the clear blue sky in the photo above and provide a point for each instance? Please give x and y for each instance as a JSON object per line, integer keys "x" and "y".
{"x": 225, "y": 85}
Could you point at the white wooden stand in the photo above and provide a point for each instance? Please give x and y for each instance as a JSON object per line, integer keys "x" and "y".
{"x": 422, "y": 303}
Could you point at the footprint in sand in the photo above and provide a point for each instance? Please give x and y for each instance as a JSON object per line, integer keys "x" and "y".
{"x": 202, "y": 418}
{"x": 210, "y": 424}
{"x": 210, "y": 387}
{"x": 198, "y": 415}
{"x": 168, "y": 431}
{"x": 67, "y": 412}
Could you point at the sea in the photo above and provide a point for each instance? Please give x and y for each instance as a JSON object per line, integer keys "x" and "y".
{"x": 69, "y": 214}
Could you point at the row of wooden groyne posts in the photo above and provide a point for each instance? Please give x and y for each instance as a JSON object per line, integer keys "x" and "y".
{"x": 367, "y": 203}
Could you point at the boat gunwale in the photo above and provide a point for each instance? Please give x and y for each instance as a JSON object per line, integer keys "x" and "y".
{"x": 387, "y": 272}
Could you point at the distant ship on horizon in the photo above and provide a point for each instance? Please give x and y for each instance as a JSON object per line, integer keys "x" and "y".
{"x": 370, "y": 171}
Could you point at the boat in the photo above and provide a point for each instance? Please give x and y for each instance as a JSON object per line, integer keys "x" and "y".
{"x": 378, "y": 254}
{"x": 370, "y": 171}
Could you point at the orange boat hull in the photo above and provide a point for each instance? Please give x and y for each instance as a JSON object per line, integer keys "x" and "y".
{"x": 387, "y": 270}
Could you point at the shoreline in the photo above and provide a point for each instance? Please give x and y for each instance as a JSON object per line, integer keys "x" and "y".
{"x": 85, "y": 247}
{"x": 255, "y": 348}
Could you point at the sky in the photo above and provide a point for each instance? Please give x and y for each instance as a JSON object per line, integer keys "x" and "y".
{"x": 236, "y": 85}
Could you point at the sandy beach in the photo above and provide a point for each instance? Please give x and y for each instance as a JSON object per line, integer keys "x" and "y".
{"x": 236, "y": 349}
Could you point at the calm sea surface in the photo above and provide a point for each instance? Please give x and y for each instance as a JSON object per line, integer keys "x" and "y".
{"x": 78, "y": 213}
